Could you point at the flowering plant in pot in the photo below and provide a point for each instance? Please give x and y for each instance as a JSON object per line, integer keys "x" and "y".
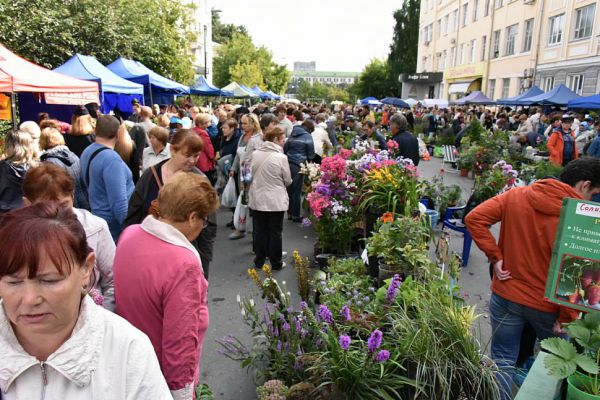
{"x": 577, "y": 359}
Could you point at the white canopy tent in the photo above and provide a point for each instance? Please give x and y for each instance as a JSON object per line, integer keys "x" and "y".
{"x": 441, "y": 103}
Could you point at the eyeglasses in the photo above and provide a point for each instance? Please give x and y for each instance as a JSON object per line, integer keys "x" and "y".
{"x": 205, "y": 223}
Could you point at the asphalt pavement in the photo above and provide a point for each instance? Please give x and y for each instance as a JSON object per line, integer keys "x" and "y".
{"x": 228, "y": 278}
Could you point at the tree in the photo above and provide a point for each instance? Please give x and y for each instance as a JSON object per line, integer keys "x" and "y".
{"x": 374, "y": 80}
{"x": 49, "y": 32}
{"x": 404, "y": 47}
{"x": 321, "y": 92}
{"x": 222, "y": 33}
{"x": 239, "y": 56}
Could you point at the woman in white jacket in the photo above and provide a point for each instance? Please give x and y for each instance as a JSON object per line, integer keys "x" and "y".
{"x": 49, "y": 182}
{"x": 55, "y": 343}
{"x": 268, "y": 197}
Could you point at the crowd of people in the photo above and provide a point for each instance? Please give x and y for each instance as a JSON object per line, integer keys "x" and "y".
{"x": 122, "y": 213}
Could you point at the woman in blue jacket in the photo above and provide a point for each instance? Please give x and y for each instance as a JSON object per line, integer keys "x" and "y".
{"x": 299, "y": 148}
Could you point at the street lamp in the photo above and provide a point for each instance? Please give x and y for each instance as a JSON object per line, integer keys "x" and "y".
{"x": 205, "y": 53}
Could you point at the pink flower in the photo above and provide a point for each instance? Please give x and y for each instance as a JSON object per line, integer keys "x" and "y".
{"x": 97, "y": 297}
{"x": 392, "y": 144}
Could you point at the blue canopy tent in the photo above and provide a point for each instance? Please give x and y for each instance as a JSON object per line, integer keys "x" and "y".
{"x": 516, "y": 100}
{"x": 559, "y": 96}
{"x": 157, "y": 88}
{"x": 273, "y": 95}
{"x": 589, "y": 102}
{"x": 263, "y": 95}
{"x": 114, "y": 91}
{"x": 368, "y": 101}
{"x": 203, "y": 88}
{"x": 394, "y": 101}
{"x": 476, "y": 97}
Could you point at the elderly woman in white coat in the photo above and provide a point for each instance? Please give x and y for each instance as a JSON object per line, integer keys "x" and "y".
{"x": 55, "y": 342}
{"x": 268, "y": 197}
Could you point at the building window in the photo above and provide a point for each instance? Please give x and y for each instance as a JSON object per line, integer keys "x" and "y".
{"x": 575, "y": 83}
{"x": 453, "y": 56}
{"x": 557, "y": 24}
{"x": 445, "y": 26}
{"x": 444, "y": 58}
{"x": 427, "y": 33}
{"x": 483, "y": 45}
{"x": 461, "y": 54}
{"x": 491, "y": 88}
{"x": 486, "y": 10}
{"x": 473, "y": 50}
{"x": 584, "y": 22}
{"x": 455, "y": 20}
{"x": 511, "y": 35}
{"x": 439, "y": 28}
{"x": 505, "y": 87}
{"x": 498, "y": 3}
{"x": 475, "y": 10}
{"x": 548, "y": 83}
{"x": 527, "y": 35}
{"x": 495, "y": 49}
{"x": 465, "y": 10}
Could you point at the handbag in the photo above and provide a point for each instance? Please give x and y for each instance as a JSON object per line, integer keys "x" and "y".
{"x": 153, "y": 209}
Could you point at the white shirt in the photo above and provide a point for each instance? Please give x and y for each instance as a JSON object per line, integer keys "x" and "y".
{"x": 150, "y": 158}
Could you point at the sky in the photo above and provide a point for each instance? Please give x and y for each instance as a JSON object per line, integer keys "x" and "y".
{"x": 340, "y": 35}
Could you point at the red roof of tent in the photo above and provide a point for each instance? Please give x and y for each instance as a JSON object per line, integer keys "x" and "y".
{"x": 20, "y": 75}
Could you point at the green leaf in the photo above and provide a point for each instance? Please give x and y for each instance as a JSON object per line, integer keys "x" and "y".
{"x": 586, "y": 363}
{"x": 559, "y": 347}
{"x": 559, "y": 367}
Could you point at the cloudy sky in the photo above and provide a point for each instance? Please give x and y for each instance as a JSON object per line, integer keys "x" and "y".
{"x": 340, "y": 35}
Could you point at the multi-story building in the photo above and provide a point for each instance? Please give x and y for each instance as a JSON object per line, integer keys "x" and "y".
{"x": 203, "y": 46}
{"x": 325, "y": 77}
{"x": 503, "y": 46}
{"x": 305, "y": 65}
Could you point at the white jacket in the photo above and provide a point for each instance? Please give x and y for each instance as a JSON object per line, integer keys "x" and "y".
{"x": 270, "y": 177}
{"x": 105, "y": 358}
{"x": 100, "y": 240}
{"x": 321, "y": 138}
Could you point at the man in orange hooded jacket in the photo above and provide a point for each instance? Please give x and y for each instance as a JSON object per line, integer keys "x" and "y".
{"x": 521, "y": 258}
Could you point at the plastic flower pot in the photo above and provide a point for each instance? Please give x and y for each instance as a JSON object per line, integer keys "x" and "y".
{"x": 385, "y": 272}
{"x": 464, "y": 172}
{"x": 575, "y": 382}
{"x": 433, "y": 217}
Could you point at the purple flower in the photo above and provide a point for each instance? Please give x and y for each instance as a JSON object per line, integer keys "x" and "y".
{"x": 306, "y": 222}
{"x": 279, "y": 346}
{"x": 297, "y": 325}
{"x": 393, "y": 289}
{"x": 325, "y": 314}
{"x": 344, "y": 341}
{"x": 374, "y": 340}
{"x": 345, "y": 313}
{"x": 286, "y": 327}
{"x": 303, "y": 305}
{"x": 382, "y": 356}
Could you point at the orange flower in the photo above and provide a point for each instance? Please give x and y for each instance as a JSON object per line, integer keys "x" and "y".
{"x": 387, "y": 217}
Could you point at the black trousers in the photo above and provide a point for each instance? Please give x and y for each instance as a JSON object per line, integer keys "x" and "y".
{"x": 268, "y": 240}
{"x": 295, "y": 192}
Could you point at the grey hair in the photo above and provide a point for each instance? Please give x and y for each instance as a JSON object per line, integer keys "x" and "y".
{"x": 399, "y": 120}
{"x": 19, "y": 148}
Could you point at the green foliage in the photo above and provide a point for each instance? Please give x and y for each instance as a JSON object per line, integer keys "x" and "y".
{"x": 204, "y": 392}
{"x": 222, "y": 33}
{"x": 374, "y": 81}
{"x": 240, "y": 60}
{"x": 154, "y": 32}
{"x": 404, "y": 47}
{"x": 321, "y": 92}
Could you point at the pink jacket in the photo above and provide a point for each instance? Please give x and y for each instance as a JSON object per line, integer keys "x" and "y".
{"x": 162, "y": 291}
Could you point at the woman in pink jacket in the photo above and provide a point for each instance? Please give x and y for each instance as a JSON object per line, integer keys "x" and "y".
{"x": 159, "y": 280}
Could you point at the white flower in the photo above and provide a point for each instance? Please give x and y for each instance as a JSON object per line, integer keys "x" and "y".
{"x": 238, "y": 298}
{"x": 251, "y": 302}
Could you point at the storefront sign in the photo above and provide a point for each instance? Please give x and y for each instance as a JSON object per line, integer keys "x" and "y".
{"x": 574, "y": 275}
{"x": 422, "y": 77}
{"x": 72, "y": 98}
{"x": 473, "y": 70}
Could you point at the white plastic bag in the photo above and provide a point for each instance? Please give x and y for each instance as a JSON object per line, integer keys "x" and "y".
{"x": 240, "y": 215}
{"x": 228, "y": 198}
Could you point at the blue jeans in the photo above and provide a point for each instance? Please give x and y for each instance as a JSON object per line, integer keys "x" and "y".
{"x": 508, "y": 319}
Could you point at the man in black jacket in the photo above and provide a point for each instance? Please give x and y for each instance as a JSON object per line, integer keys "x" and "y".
{"x": 408, "y": 145}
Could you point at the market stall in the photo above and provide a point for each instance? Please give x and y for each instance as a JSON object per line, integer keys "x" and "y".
{"x": 517, "y": 100}
{"x": 202, "y": 88}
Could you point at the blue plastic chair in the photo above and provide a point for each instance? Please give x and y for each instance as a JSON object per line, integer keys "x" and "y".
{"x": 456, "y": 224}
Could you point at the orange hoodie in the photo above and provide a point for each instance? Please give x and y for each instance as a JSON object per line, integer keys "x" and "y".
{"x": 529, "y": 217}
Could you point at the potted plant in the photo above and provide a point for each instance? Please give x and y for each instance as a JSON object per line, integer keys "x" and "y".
{"x": 578, "y": 364}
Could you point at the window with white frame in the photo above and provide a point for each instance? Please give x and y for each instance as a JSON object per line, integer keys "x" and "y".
{"x": 505, "y": 87}
{"x": 473, "y": 50}
{"x": 453, "y": 56}
{"x": 548, "y": 83}
{"x": 444, "y": 58}
{"x": 439, "y": 28}
{"x": 475, "y": 10}
{"x": 575, "y": 83}
{"x": 455, "y": 20}
{"x": 527, "y": 35}
{"x": 461, "y": 54}
{"x": 486, "y": 9}
{"x": 511, "y": 35}
{"x": 495, "y": 48}
{"x": 465, "y": 11}
{"x": 483, "y": 47}
{"x": 557, "y": 25}
{"x": 499, "y": 3}
{"x": 439, "y": 62}
{"x": 491, "y": 88}
{"x": 584, "y": 21}
{"x": 445, "y": 25}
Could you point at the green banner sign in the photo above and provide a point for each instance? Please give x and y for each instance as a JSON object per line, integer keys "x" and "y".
{"x": 574, "y": 275}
